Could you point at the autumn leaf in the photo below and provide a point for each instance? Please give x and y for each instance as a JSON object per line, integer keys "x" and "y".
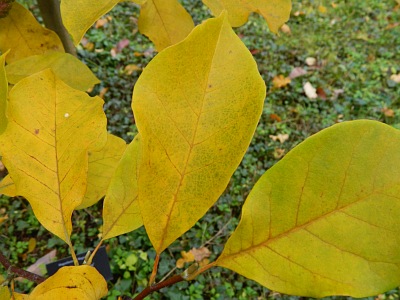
{"x": 78, "y": 16}
{"x": 121, "y": 212}
{"x": 193, "y": 142}
{"x": 280, "y": 137}
{"x": 280, "y": 81}
{"x": 7, "y": 187}
{"x": 81, "y": 282}
{"x": 310, "y": 91}
{"x": 199, "y": 255}
{"x": 45, "y": 150}
{"x": 3, "y": 94}
{"x": 313, "y": 223}
{"x": 395, "y": 78}
{"x": 275, "y": 12}
{"x": 25, "y": 36}
{"x": 297, "y": 72}
{"x": 165, "y": 22}
{"x": 102, "y": 165}
{"x": 66, "y": 67}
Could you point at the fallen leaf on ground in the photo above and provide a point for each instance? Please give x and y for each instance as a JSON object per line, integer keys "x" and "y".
{"x": 286, "y": 29}
{"x": 275, "y": 117}
{"x": 311, "y": 61}
{"x": 321, "y": 93}
{"x": 310, "y": 91}
{"x": 388, "y": 112}
{"x": 279, "y": 137}
{"x": 297, "y": 72}
{"x": 199, "y": 255}
{"x": 279, "y": 153}
{"x": 280, "y": 81}
{"x": 322, "y": 9}
{"x": 395, "y": 78}
{"x": 100, "y": 23}
{"x": 129, "y": 69}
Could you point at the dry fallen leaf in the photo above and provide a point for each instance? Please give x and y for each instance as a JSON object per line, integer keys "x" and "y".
{"x": 280, "y": 81}
{"x": 279, "y": 137}
{"x": 334, "y": 5}
{"x": 129, "y": 69}
{"x": 103, "y": 92}
{"x": 279, "y": 153}
{"x": 310, "y": 91}
{"x": 311, "y": 61}
{"x": 297, "y": 72}
{"x": 199, "y": 255}
{"x": 395, "y": 78}
{"x": 275, "y": 117}
{"x": 388, "y": 112}
{"x": 322, "y": 9}
{"x": 286, "y": 29}
{"x": 321, "y": 93}
{"x": 100, "y": 23}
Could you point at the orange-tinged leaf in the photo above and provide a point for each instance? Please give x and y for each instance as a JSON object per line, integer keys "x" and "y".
{"x": 66, "y": 67}
{"x": 196, "y": 115}
{"x": 81, "y": 282}
{"x": 165, "y": 22}
{"x": 50, "y": 128}
{"x": 3, "y": 94}
{"x": 102, "y": 165}
{"x": 325, "y": 219}
{"x": 25, "y": 36}
{"x": 7, "y": 187}
{"x": 121, "y": 211}
{"x": 78, "y": 16}
{"x": 280, "y": 81}
{"x": 275, "y": 12}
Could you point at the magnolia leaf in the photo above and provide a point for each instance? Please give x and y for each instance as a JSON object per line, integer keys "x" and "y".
{"x": 25, "y": 36}
{"x": 3, "y": 94}
{"x": 275, "y": 12}
{"x": 102, "y": 165}
{"x": 4, "y": 291}
{"x": 78, "y": 16}
{"x": 196, "y": 115}
{"x": 50, "y": 128}
{"x": 325, "y": 219}
{"x": 81, "y": 282}
{"x": 66, "y": 67}
{"x": 121, "y": 211}
{"x": 165, "y": 22}
{"x": 7, "y": 187}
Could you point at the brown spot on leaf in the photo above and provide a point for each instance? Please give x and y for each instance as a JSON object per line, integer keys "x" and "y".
{"x": 36, "y": 131}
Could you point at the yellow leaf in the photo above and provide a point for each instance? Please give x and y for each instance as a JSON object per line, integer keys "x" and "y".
{"x": 7, "y": 187}
{"x": 102, "y": 165}
{"x": 25, "y": 36}
{"x": 82, "y": 282}
{"x": 275, "y": 12}
{"x": 66, "y": 67}
{"x": 4, "y": 291}
{"x": 31, "y": 244}
{"x": 50, "y": 128}
{"x": 280, "y": 81}
{"x": 165, "y": 22}
{"x": 78, "y": 16}
{"x": 129, "y": 69}
{"x": 3, "y": 94}
{"x": 325, "y": 219}
{"x": 196, "y": 115}
{"x": 121, "y": 211}
{"x": 322, "y": 9}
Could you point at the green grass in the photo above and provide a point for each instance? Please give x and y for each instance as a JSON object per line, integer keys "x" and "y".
{"x": 356, "y": 50}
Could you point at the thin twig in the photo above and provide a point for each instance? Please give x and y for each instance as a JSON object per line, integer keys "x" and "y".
{"x": 217, "y": 234}
{"x": 20, "y": 272}
{"x": 155, "y": 287}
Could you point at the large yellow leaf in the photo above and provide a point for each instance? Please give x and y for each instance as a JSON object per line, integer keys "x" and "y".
{"x": 81, "y": 282}
{"x": 3, "y": 94}
{"x": 275, "y": 12}
{"x": 66, "y": 67}
{"x": 196, "y": 107}
{"x": 121, "y": 212}
{"x": 325, "y": 219}
{"x": 50, "y": 128}
{"x": 102, "y": 165}
{"x": 21, "y": 33}
{"x": 78, "y": 16}
{"x": 4, "y": 293}
{"x": 165, "y": 22}
{"x": 7, "y": 187}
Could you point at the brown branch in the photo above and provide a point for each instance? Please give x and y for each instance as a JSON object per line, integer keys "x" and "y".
{"x": 155, "y": 287}
{"x": 20, "y": 272}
